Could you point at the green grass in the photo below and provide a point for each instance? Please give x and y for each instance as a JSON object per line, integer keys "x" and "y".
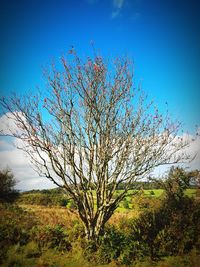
{"x": 153, "y": 193}
{"x": 47, "y": 199}
{"x": 147, "y": 192}
{"x": 157, "y": 192}
{"x": 18, "y": 257}
{"x": 191, "y": 192}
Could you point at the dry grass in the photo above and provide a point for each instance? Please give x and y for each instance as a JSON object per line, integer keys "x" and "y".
{"x": 119, "y": 216}
{"x": 52, "y": 215}
{"x": 63, "y": 216}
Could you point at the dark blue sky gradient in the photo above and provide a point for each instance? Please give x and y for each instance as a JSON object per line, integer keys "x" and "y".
{"x": 162, "y": 37}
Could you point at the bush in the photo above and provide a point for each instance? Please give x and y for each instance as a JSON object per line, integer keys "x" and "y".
{"x": 125, "y": 204}
{"x": 76, "y": 232}
{"x": 182, "y": 233}
{"x": 7, "y": 184}
{"x": 63, "y": 202}
{"x": 44, "y": 198}
{"x": 15, "y": 227}
{"x": 110, "y": 247}
{"x": 152, "y": 193}
{"x": 172, "y": 229}
{"x": 71, "y": 205}
{"x": 52, "y": 237}
{"x": 32, "y": 250}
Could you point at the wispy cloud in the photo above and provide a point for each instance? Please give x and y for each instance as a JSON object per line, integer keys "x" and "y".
{"x": 117, "y": 5}
{"x": 115, "y": 14}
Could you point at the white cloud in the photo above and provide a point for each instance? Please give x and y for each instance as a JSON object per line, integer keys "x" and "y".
{"x": 5, "y": 146}
{"x": 28, "y": 179}
{"x": 193, "y": 150}
{"x": 8, "y": 123}
{"x": 16, "y": 159}
{"x": 18, "y": 162}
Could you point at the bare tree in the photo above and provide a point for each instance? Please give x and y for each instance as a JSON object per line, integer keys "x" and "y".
{"x": 91, "y": 131}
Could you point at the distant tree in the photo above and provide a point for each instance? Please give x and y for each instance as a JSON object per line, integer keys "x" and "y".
{"x": 177, "y": 181}
{"x": 91, "y": 131}
{"x": 7, "y": 185}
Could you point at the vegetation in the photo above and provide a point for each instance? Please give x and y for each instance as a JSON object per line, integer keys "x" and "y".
{"x": 160, "y": 229}
{"x": 51, "y": 197}
{"x": 92, "y": 133}
{"x": 7, "y": 184}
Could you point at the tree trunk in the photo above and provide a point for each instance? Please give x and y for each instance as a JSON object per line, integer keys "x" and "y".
{"x": 94, "y": 230}
{"x": 96, "y": 226}
{"x": 94, "y": 222}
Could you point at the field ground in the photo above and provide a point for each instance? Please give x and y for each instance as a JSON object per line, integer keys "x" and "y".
{"x": 40, "y": 223}
{"x": 28, "y": 256}
{"x": 61, "y": 215}
{"x": 51, "y": 199}
{"x": 150, "y": 193}
{"x": 158, "y": 192}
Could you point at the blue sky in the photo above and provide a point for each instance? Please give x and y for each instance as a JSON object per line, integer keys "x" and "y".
{"x": 162, "y": 37}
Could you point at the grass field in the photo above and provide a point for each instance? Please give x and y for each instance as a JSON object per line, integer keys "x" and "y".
{"x": 127, "y": 204}
{"x": 33, "y": 235}
{"x": 28, "y": 255}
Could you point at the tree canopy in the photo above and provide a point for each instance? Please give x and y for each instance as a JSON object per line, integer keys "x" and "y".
{"x": 92, "y": 130}
{"x": 7, "y": 185}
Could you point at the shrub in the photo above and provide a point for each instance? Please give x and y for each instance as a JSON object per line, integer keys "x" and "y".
{"x": 71, "y": 205}
{"x": 76, "y": 231}
{"x": 172, "y": 229}
{"x": 31, "y": 250}
{"x": 52, "y": 237}
{"x": 63, "y": 202}
{"x": 152, "y": 193}
{"x": 110, "y": 247}
{"x": 7, "y": 184}
{"x": 44, "y": 198}
{"x": 125, "y": 204}
{"x": 15, "y": 227}
{"x": 182, "y": 233}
